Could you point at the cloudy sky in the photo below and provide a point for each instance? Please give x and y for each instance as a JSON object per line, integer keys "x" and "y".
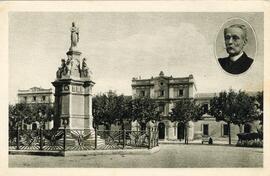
{"x": 120, "y": 46}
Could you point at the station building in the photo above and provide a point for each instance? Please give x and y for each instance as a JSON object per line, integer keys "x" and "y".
{"x": 166, "y": 90}
{"x": 36, "y": 95}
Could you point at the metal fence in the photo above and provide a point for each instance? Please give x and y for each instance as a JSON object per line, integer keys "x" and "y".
{"x": 81, "y": 139}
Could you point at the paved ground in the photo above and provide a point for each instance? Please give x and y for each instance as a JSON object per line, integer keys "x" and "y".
{"x": 169, "y": 156}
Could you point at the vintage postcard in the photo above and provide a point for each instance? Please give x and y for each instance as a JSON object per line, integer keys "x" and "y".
{"x": 127, "y": 87}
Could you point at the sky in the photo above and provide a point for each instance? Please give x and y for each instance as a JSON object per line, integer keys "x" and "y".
{"x": 120, "y": 46}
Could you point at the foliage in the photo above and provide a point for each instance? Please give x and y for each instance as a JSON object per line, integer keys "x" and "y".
{"x": 110, "y": 108}
{"x": 223, "y": 106}
{"x": 233, "y": 107}
{"x": 251, "y": 143}
{"x": 28, "y": 113}
{"x": 184, "y": 111}
{"x": 259, "y": 106}
{"x": 145, "y": 109}
{"x": 245, "y": 109}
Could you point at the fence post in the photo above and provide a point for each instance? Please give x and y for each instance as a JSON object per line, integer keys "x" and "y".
{"x": 124, "y": 138}
{"x": 64, "y": 142}
{"x": 95, "y": 138}
{"x": 157, "y": 139}
{"x": 149, "y": 134}
{"x": 18, "y": 139}
{"x": 41, "y": 140}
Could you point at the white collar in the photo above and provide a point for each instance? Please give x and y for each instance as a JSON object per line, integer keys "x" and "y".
{"x": 235, "y": 58}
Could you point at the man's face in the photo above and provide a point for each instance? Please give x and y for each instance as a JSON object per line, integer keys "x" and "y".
{"x": 234, "y": 40}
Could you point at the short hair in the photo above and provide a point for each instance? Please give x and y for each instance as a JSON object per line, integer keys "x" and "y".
{"x": 240, "y": 26}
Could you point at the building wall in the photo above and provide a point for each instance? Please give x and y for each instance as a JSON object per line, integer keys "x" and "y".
{"x": 179, "y": 88}
{"x": 166, "y": 90}
{"x": 215, "y": 129}
{"x": 35, "y": 95}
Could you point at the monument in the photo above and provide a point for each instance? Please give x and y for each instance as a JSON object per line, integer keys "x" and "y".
{"x": 73, "y": 89}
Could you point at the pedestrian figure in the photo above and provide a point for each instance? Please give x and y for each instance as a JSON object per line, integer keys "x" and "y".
{"x": 210, "y": 141}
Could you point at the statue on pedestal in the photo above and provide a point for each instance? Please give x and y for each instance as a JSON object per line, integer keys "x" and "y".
{"x": 85, "y": 68}
{"x": 69, "y": 65}
{"x": 61, "y": 70}
{"x": 74, "y": 36}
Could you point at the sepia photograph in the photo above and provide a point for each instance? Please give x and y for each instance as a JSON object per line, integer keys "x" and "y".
{"x": 238, "y": 39}
{"x": 136, "y": 89}
{"x": 131, "y": 88}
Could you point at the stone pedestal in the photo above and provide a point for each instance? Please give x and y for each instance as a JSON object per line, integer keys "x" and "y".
{"x": 73, "y": 102}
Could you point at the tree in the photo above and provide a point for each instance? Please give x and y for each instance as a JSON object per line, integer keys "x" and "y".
{"x": 259, "y": 106}
{"x": 184, "y": 111}
{"x": 233, "y": 107}
{"x": 124, "y": 110}
{"x": 244, "y": 109}
{"x": 110, "y": 108}
{"x": 27, "y": 113}
{"x": 144, "y": 109}
{"x": 101, "y": 110}
{"x": 223, "y": 108}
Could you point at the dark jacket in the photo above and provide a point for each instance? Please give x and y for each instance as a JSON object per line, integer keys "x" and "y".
{"x": 236, "y": 67}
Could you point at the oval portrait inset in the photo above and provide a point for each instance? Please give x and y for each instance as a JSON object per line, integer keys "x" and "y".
{"x": 236, "y": 46}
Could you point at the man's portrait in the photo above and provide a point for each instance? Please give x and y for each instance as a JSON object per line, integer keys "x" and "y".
{"x": 237, "y": 60}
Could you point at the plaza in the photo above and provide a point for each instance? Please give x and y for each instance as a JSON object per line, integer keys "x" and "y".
{"x": 79, "y": 123}
{"x": 169, "y": 156}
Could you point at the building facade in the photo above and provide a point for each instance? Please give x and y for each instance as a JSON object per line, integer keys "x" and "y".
{"x": 36, "y": 95}
{"x": 166, "y": 91}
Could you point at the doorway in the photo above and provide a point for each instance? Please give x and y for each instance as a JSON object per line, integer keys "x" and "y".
{"x": 161, "y": 131}
{"x": 180, "y": 131}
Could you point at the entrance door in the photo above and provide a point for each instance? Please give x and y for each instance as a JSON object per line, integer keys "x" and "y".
{"x": 180, "y": 131}
{"x": 161, "y": 131}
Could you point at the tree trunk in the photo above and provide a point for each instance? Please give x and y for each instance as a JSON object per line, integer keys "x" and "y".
{"x": 122, "y": 125}
{"x": 229, "y": 132}
{"x": 185, "y": 134}
{"x": 185, "y": 137}
{"x": 240, "y": 128}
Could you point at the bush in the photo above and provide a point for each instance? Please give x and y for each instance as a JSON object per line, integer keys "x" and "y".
{"x": 250, "y": 143}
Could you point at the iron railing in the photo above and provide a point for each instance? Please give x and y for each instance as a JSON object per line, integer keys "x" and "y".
{"x": 81, "y": 139}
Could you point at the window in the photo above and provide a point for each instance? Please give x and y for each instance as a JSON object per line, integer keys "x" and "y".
{"x": 162, "y": 108}
{"x": 225, "y": 130}
{"x": 142, "y": 93}
{"x": 34, "y": 98}
{"x": 180, "y": 92}
{"x": 43, "y": 98}
{"x": 205, "y": 108}
{"x": 161, "y": 83}
{"x": 25, "y": 99}
{"x": 205, "y": 129}
{"x": 162, "y": 93}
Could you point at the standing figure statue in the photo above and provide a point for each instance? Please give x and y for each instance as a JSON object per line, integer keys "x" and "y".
{"x": 74, "y": 36}
{"x": 85, "y": 69}
{"x": 61, "y": 70}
